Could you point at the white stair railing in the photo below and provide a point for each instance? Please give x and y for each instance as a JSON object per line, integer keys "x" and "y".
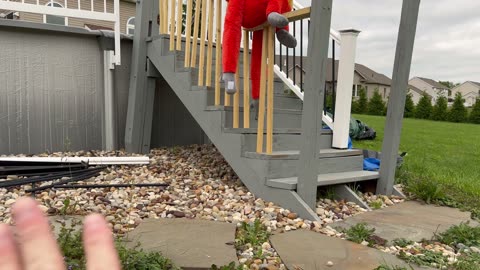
{"x": 75, "y": 11}
{"x": 341, "y": 126}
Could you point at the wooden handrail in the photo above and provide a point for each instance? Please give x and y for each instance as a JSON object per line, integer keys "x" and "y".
{"x": 292, "y": 16}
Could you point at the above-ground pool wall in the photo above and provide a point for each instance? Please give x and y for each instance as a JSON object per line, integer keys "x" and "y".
{"x": 50, "y": 91}
{"x": 52, "y": 96}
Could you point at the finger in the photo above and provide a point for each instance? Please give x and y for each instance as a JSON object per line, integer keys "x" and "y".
{"x": 9, "y": 259}
{"x": 99, "y": 246}
{"x": 37, "y": 245}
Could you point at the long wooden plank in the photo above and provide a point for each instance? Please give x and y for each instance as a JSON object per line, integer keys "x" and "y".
{"x": 319, "y": 41}
{"x": 246, "y": 81}
{"x": 218, "y": 51}
{"x": 210, "y": 43}
{"x": 201, "y": 61}
{"x": 172, "y": 25}
{"x": 188, "y": 31}
{"x": 401, "y": 73}
{"x": 179, "y": 24}
{"x": 292, "y": 16}
{"x": 271, "y": 50}
{"x": 261, "y": 110}
{"x": 165, "y": 16}
{"x": 196, "y": 25}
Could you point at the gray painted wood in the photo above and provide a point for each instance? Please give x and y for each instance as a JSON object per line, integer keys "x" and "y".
{"x": 282, "y": 142}
{"x": 141, "y": 87}
{"x": 399, "y": 193}
{"x": 343, "y": 192}
{"x": 325, "y": 179}
{"x": 396, "y": 104}
{"x": 319, "y": 40}
{"x": 229, "y": 144}
{"x": 294, "y": 154}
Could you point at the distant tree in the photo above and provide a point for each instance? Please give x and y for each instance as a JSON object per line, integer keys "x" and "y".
{"x": 376, "y": 106}
{"x": 475, "y": 114}
{"x": 440, "y": 111}
{"x": 360, "y": 105}
{"x": 449, "y": 84}
{"x": 409, "y": 107}
{"x": 424, "y": 107}
{"x": 458, "y": 112}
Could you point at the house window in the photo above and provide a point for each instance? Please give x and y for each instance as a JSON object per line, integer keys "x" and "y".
{"x": 131, "y": 26}
{"x": 52, "y": 19}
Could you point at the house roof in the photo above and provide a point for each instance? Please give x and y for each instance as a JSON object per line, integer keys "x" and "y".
{"x": 433, "y": 83}
{"x": 368, "y": 75}
{"x": 476, "y": 83}
{"x": 417, "y": 90}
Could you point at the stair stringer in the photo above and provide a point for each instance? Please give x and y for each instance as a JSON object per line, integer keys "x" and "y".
{"x": 229, "y": 144}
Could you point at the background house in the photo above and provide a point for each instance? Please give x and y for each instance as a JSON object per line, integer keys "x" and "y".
{"x": 431, "y": 87}
{"x": 470, "y": 92}
{"x": 127, "y": 14}
{"x": 417, "y": 94}
{"x": 363, "y": 77}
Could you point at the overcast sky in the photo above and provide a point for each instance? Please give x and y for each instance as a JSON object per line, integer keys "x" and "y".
{"x": 447, "y": 46}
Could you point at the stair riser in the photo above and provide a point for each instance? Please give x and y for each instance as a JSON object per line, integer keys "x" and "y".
{"x": 283, "y": 142}
{"x": 281, "y": 119}
{"x": 288, "y": 168}
{"x": 279, "y": 101}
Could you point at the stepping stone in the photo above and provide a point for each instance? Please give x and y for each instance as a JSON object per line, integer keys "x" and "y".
{"x": 189, "y": 243}
{"x": 410, "y": 220}
{"x": 303, "y": 249}
{"x": 69, "y": 222}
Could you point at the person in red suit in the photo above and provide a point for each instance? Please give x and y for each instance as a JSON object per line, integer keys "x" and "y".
{"x": 249, "y": 14}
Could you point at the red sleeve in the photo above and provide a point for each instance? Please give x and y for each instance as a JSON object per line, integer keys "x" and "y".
{"x": 232, "y": 35}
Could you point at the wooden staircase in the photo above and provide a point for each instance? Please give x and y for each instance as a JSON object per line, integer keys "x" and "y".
{"x": 286, "y": 155}
{"x": 269, "y": 176}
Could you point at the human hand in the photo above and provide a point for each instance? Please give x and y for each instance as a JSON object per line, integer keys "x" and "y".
{"x": 30, "y": 244}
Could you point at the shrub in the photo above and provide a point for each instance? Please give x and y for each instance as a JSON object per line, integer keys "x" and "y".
{"x": 460, "y": 234}
{"x": 439, "y": 112}
{"x": 409, "y": 110}
{"x": 360, "y": 105}
{"x": 424, "y": 108}
{"x": 475, "y": 114}
{"x": 376, "y": 106}
{"x": 359, "y": 233}
{"x": 458, "y": 112}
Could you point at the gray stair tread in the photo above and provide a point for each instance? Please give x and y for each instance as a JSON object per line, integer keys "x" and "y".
{"x": 230, "y": 108}
{"x": 295, "y": 154}
{"x": 325, "y": 179}
{"x": 275, "y": 131}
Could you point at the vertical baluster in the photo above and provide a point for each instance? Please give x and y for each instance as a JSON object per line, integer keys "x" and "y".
{"x": 301, "y": 56}
{"x": 218, "y": 50}
{"x": 333, "y": 81}
{"x": 236, "y": 100}
{"x": 294, "y": 56}
{"x": 179, "y": 24}
{"x": 91, "y": 5}
{"x": 201, "y": 60}
{"x": 246, "y": 80}
{"x": 172, "y": 25}
{"x": 104, "y": 6}
{"x": 78, "y": 4}
{"x": 164, "y": 18}
{"x": 210, "y": 44}
{"x": 196, "y": 25}
{"x": 160, "y": 10}
{"x": 270, "y": 55}
{"x": 281, "y": 58}
{"x": 188, "y": 32}
{"x": 261, "y": 110}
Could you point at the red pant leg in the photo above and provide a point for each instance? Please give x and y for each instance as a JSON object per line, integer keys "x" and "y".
{"x": 256, "y": 63}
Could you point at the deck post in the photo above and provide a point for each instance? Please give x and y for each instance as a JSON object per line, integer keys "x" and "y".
{"x": 396, "y": 103}
{"x": 142, "y": 87}
{"x": 343, "y": 100}
{"x": 319, "y": 38}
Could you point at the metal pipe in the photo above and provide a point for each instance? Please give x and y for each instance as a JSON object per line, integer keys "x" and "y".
{"x": 61, "y": 182}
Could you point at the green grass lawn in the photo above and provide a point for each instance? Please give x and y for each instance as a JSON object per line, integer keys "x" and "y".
{"x": 443, "y": 158}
